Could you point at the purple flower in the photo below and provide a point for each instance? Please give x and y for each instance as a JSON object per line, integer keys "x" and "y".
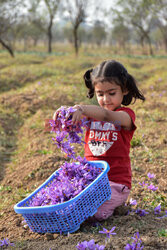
{"x": 136, "y": 244}
{"x": 143, "y": 184}
{"x": 5, "y": 243}
{"x": 152, "y": 187}
{"x": 82, "y": 245}
{"x": 128, "y": 247}
{"x": 150, "y": 176}
{"x": 68, "y": 182}
{"x": 133, "y": 202}
{"x": 89, "y": 245}
{"x": 165, "y": 215}
{"x": 66, "y": 133}
{"x": 157, "y": 209}
{"x": 108, "y": 232}
{"x": 136, "y": 237}
{"x": 141, "y": 212}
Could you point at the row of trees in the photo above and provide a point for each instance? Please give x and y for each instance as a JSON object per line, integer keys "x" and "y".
{"x": 137, "y": 21}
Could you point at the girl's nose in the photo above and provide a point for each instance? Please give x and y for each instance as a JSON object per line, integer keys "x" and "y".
{"x": 106, "y": 98}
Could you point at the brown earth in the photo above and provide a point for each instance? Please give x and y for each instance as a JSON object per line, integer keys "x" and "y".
{"x": 32, "y": 168}
{"x": 33, "y": 171}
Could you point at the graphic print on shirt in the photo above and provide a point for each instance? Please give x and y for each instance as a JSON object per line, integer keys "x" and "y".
{"x": 102, "y": 136}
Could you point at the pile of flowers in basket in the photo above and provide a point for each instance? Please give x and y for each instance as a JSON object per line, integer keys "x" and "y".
{"x": 72, "y": 177}
{"x": 69, "y": 182}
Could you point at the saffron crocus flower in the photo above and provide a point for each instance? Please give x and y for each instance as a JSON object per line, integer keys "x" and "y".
{"x": 82, "y": 245}
{"x": 133, "y": 202}
{"x": 157, "y": 209}
{"x": 165, "y": 215}
{"x": 141, "y": 212}
{"x": 5, "y": 243}
{"x": 66, "y": 133}
{"x": 89, "y": 245}
{"x": 151, "y": 176}
{"x": 143, "y": 184}
{"x": 152, "y": 187}
{"x": 68, "y": 182}
{"x": 136, "y": 237}
{"x": 108, "y": 232}
{"x": 136, "y": 244}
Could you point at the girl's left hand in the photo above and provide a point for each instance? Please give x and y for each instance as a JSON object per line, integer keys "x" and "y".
{"x": 77, "y": 115}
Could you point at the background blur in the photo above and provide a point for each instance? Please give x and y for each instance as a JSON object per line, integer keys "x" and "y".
{"x": 124, "y": 26}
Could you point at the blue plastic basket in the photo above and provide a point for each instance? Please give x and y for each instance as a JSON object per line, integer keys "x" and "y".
{"x": 68, "y": 216}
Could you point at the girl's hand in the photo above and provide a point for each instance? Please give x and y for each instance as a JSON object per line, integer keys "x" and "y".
{"x": 77, "y": 115}
{"x": 57, "y": 112}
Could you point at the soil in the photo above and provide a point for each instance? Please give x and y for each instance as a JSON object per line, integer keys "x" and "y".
{"x": 30, "y": 171}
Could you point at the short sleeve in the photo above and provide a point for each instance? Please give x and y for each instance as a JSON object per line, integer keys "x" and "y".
{"x": 132, "y": 115}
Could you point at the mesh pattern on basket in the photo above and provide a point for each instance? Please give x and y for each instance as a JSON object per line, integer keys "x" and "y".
{"x": 69, "y": 218}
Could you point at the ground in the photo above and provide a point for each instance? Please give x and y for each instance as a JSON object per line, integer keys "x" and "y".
{"x": 32, "y": 87}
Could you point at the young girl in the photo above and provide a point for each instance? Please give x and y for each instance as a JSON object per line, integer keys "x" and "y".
{"x": 112, "y": 127}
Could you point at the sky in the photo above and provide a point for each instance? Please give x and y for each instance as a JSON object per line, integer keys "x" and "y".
{"x": 106, "y": 5}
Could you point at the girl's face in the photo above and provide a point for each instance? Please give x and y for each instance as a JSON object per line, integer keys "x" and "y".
{"x": 109, "y": 95}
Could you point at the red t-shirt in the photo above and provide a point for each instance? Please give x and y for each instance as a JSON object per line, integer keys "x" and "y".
{"x": 110, "y": 142}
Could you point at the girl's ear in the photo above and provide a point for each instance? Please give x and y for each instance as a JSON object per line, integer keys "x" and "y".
{"x": 125, "y": 92}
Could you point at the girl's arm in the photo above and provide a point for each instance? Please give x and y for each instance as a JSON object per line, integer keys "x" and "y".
{"x": 101, "y": 114}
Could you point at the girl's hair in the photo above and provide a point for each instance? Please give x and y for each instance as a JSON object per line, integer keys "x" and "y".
{"x": 113, "y": 71}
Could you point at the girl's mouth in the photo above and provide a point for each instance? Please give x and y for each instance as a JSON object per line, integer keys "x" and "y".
{"x": 107, "y": 105}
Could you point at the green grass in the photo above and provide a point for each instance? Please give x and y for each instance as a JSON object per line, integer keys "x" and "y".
{"x": 162, "y": 232}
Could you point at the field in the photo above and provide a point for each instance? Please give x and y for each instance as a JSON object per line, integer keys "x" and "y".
{"x": 32, "y": 87}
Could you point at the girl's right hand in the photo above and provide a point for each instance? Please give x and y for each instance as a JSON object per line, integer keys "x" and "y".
{"x": 57, "y": 112}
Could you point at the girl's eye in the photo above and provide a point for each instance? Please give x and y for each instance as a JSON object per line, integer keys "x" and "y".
{"x": 112, "y": 93}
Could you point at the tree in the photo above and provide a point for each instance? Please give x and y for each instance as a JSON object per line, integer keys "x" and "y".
{"x": 42, "y": 14}
{"x": 98, "y": 32}
{"x": 8, "y": 17}
{"x": 120, "y": 32}
{"x": 37, "y": 21}
{"x": 52, "y": 6}
{"x": 77, "y": 12}
{"x": 67, "y": 31}
{"x": 159, "y": 10}
{"x": 138, "y": 15}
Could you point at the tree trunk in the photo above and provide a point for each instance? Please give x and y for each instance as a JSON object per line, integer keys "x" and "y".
{"x": 50, "y": 35}
{"x": 165, "y": 42}
{"x": 7, "y": 47}
{"x": 76, "y": 40}
{"x": 163, "y": 30}
{"x": 25, "y": 44}
{"x": 150, "y": 47}
{"x": 35, "y": 41}
{"x": 142, "y": 43}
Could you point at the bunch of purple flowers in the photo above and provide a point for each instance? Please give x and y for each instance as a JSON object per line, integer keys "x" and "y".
{"x": 149, "y": 185}
{"x": 70, "y": 180}
{"x": 89, "y": 245}
{"x": 5, "y": 243}
{"x": 136, "y": 244}
{"x": 66, "y": 132}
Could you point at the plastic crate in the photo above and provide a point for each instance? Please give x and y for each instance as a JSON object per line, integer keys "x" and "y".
{"x": 68, "y": 216}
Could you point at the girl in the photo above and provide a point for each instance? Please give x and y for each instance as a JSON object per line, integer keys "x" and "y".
{"x": 111, "y": 127}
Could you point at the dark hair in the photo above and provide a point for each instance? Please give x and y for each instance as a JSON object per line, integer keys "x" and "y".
{"x": 113, "y": 71}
